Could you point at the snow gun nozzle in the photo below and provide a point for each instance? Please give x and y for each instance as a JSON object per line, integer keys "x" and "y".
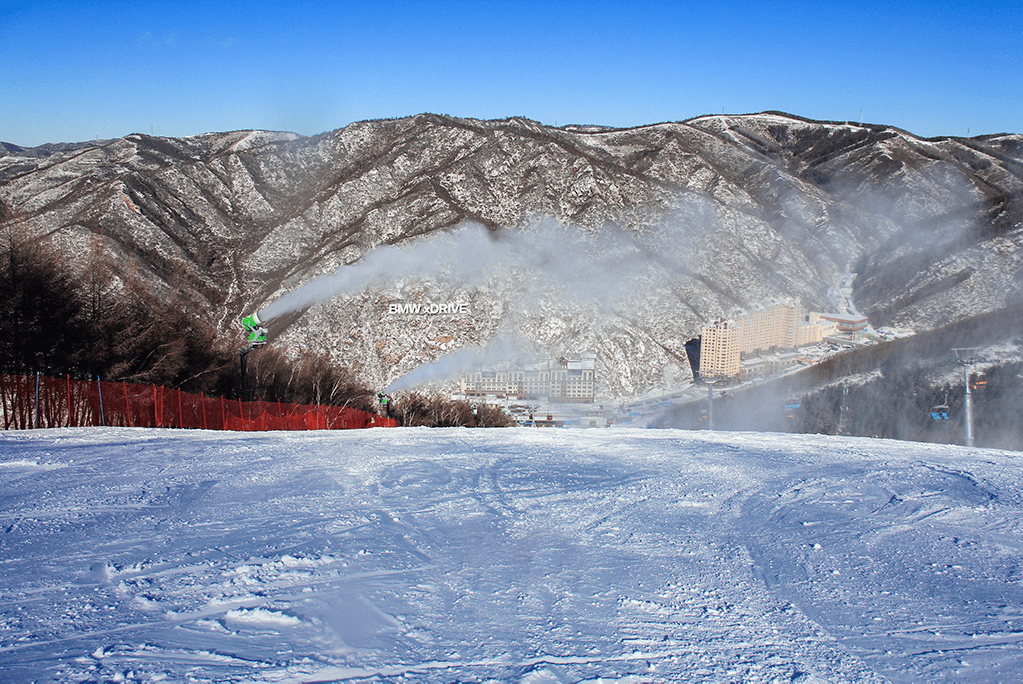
{"x": 256, "y": 330}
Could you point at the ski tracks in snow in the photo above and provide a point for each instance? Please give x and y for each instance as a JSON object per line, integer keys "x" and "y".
{"x": 522, "y": 555}
{"x": 912, "y": 567}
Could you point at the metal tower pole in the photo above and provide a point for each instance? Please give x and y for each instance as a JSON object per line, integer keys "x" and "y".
{"x": 710, "y": 406}
{"x": 967, "y": 407}
{"x": 242, "y": 353}
{"x": 967, "y": 362}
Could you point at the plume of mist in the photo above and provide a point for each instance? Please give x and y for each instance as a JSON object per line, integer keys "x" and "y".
{"x": 503, "y": 349}
{"x": 602, "y": 267}
{"x": 599, "y": 266}
{"x": 426, "y": 258}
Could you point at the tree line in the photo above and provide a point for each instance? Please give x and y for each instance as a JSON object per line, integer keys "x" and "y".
{"x": 902, "y": 403}
{"x": 895, "y": 401}
{"x": 103, "y": 320}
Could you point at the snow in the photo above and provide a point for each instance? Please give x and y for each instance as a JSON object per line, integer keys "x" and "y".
{"x": 841, "y": 295}
{"x": 505, "y": 555}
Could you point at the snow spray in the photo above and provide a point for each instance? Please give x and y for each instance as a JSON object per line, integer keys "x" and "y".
{"x": 581, "y": 266}
{"x": 578, "y": 265}
{"x": 504, "y": 349}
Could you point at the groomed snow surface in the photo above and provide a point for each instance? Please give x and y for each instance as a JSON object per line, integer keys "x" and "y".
{"x": 506, "y": 555}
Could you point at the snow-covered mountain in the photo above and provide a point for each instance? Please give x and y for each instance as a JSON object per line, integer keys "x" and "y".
{"x": 711, "y": 215}
{"x": 519, "y": 555}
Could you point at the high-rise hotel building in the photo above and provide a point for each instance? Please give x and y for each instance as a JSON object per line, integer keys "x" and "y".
{"x": 779, "y": 326}
{"x": 719, "y": 350}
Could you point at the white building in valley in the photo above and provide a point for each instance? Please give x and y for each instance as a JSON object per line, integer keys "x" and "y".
{"x": 561, "y": 379}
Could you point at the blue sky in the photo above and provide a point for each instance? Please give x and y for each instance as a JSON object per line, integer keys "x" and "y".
{"x": 73, "y": 71}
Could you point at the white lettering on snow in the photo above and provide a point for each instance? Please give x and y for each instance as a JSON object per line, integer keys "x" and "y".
{"x": 429, "y": 309}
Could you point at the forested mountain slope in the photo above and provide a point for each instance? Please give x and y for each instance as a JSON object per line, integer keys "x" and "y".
{"x": 717, "y": 214}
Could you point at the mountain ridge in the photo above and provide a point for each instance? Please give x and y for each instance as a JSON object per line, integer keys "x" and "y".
{"x": 734, "y": 209}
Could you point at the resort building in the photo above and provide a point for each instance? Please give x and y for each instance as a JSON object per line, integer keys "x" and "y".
{"x": 845, "y": 324}
{"x": 768, "y": 328}
{"x": 726, "y": 344}
{"x": 719, "y": 350}
{"x": 562, "y": 379}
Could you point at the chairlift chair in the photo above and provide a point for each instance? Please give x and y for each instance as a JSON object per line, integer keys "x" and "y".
{"x": 978, "y": 381}
{"x": 940, "y": 412}
{"x": 791, "y": 406}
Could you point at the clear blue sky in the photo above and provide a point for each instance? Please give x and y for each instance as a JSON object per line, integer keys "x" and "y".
{"x": 73, "y": 71}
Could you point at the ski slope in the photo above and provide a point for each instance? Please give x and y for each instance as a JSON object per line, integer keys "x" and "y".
{"x": 507, "y": 555}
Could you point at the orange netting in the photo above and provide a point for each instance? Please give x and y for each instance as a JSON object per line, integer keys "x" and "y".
{"x": 36, "y": 401}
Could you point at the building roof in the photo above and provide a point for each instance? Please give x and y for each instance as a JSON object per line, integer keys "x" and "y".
{"x": 844, "y": 318}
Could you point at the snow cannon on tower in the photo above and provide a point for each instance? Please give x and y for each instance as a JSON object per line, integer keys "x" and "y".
{"x": 256, "y": 329}
{"x": 257, "y": 338}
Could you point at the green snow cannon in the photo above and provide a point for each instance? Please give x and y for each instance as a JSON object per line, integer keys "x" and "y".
{"x": 257, "y": 331}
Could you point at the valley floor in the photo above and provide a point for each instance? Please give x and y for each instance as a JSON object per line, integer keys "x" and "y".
{"x": 511, "y": 555}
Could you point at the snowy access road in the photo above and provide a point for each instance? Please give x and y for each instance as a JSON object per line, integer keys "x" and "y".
{"x": 508, "y": 555}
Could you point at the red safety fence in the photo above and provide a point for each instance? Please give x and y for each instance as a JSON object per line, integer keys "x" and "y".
{"x": 35, "y": 401}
